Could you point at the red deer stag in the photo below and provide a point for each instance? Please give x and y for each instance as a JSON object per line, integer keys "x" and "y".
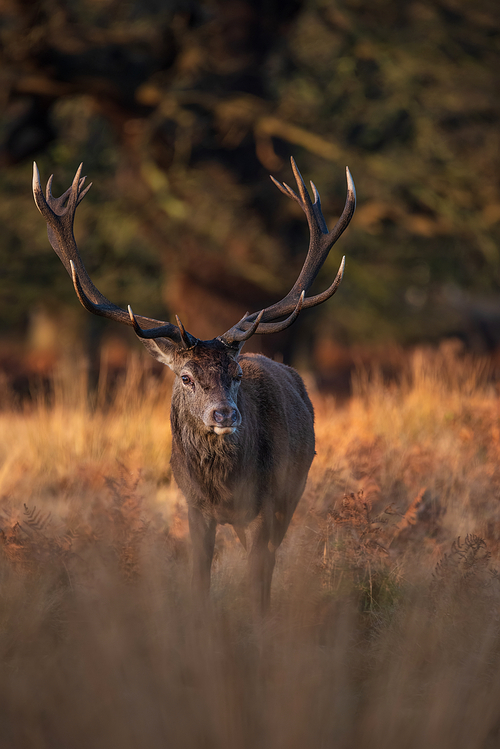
{"x": 242, "y": 425}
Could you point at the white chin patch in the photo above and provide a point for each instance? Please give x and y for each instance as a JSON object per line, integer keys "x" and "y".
{"x": 224, "y": 430}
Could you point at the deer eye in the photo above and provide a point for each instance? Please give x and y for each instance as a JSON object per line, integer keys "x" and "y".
{"x": 187, "y": 380}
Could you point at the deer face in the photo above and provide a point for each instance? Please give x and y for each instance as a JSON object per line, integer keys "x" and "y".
{"x": 207, "y": 382}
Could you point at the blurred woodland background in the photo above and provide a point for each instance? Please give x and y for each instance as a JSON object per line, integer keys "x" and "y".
{"x": 385, "y": 624}
{"x": 180, "y": 110}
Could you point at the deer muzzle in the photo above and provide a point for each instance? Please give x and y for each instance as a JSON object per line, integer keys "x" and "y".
{"x": 224, "y": 419}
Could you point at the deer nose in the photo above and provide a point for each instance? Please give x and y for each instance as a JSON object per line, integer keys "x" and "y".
{"x": 225, "y": 416}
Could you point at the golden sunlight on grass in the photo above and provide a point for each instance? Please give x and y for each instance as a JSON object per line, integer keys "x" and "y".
{"x": 384, "y": 629}
{"x": 65, "y": 439}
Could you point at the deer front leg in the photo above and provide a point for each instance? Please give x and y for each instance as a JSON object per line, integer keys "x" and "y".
{"x": 202, "y": 532}
{"x": 261, "y": 561}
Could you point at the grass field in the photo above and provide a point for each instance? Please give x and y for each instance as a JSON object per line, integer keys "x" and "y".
{"x": 385, "y": 621}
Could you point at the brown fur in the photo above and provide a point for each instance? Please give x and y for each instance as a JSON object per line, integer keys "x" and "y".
{"x": 252, "y": 478}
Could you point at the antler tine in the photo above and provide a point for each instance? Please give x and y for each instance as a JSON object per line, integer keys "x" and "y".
{"x": 306, "y": 200}
{"x": 312, "y": 301}
{"x": 167, "y": 330}
{"x": 188, "y": 340}
{"x": 316, "y": 206}
{"x": 62, "y": 199}
{"x": 277, "y": 327}
{"x": 237, "y": 334}
{"x": 40, "y": 201}
{"x": 285, "y": 189}
{"x": 59, "y": 214}
{"x": 73, "y": 192}
{"x": 320, "y": 244}
{"x": 349, "y": 208}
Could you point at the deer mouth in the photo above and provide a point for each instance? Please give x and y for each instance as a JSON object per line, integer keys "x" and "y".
{"x": 224, "y": 430}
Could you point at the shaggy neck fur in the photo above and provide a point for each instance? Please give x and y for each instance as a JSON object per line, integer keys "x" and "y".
{"x": 210, "y": 458}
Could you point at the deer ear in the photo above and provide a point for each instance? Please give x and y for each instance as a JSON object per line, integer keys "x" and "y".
{"x": 162, "y": 349}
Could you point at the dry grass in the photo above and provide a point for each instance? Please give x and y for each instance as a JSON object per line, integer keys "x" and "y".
{"x": 385, "y": 626}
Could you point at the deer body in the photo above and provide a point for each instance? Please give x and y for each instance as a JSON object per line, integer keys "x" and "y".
{"x": 251, "y": 475}
{"x": 242, "y": 425}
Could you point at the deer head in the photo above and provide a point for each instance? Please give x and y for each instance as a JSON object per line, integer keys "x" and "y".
{"x": 191, "y": 359}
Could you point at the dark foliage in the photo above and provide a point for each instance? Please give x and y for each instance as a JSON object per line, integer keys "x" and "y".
{"x": 181, "y": 109}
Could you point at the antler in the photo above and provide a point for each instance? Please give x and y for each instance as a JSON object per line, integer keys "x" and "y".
{"x": 59, "y": 214}
{"x": 320, "y": 244}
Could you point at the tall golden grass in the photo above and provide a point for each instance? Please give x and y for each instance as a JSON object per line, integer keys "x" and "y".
{"x": 385, "y": 622}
